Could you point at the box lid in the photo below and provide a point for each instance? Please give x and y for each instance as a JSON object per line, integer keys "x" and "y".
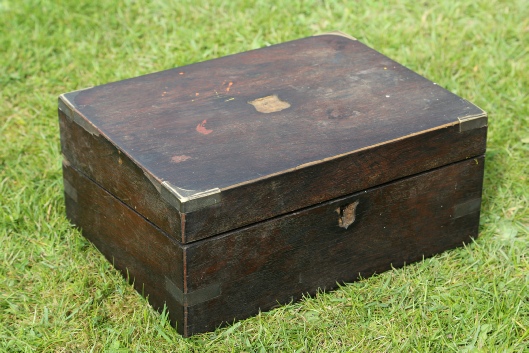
{"x": 243, "y": 138}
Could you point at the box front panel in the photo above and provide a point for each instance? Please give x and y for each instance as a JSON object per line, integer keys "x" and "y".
{"x": 278, "y": 260}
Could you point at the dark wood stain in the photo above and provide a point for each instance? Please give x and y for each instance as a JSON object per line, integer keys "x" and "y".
{"x": 278, "y": 260}
{"x": 194, "y": 126}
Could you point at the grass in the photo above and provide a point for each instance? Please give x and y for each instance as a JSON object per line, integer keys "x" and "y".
{"x": 57, "y": 293}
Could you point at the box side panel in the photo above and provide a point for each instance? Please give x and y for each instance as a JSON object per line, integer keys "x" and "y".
{"x": 143, "y": 254}
{"x": 102, "y": 162}
{"x": 276, "y": 261}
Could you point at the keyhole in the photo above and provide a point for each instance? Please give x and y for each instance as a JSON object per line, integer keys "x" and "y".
{"x": 347, "y": 214}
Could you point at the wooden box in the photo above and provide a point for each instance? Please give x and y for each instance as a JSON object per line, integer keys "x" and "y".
{"x": 226, "y": 187}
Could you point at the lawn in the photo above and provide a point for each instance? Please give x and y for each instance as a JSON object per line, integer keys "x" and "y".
{"x": 58, "y": 293}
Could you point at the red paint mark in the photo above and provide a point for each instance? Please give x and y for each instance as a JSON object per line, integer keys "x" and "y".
{"x": 178, "y": 159}
{"x": 229, "y": 86}
{"x": 202, "y": 128}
